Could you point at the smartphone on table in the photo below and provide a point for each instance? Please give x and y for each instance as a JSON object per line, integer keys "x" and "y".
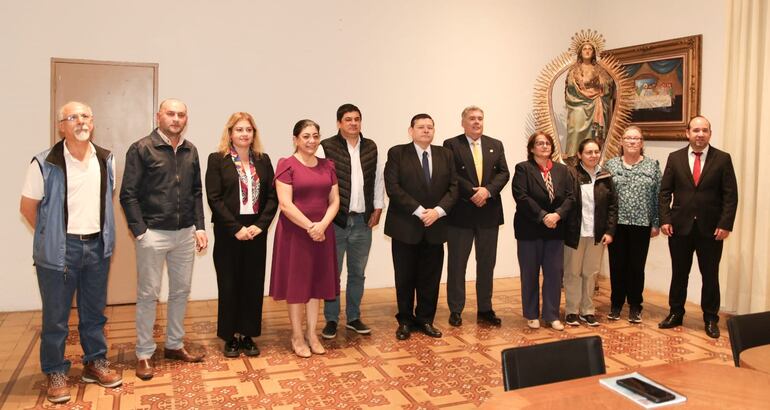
{"x": 653, "y": 393}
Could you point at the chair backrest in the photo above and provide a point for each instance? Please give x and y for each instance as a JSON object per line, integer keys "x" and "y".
{"x": 747, "y": 331}
{"x": 552, "y": 362}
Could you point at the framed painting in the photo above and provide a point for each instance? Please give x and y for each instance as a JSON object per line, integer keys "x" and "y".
{"x": 666, "y": 80}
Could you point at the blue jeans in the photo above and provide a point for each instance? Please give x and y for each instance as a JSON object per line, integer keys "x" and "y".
{"x": 356, "y": 240}
{"x": 86, "y": 272}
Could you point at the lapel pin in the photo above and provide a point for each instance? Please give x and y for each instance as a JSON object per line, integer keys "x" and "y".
{"x": 491, "y": 150}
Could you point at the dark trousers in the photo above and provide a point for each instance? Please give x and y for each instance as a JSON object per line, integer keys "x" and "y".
{"x": 709, "y": 252}
{"x": 418, "y": 273}
{"x": 86, "y": 277}
{"x": 240, "y": 267}
{"x": 534, "y": 255}
{"x": 458, "y": 250}
{"x": 628, "y": 255}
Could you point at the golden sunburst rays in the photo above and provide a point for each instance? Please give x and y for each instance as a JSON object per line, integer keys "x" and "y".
{"x": 589, "y": 36}
{"x": 621, "y": 113}
{"x": 542, "y": 103}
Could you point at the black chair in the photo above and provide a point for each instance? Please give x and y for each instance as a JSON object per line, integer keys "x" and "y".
{"x": 747, "y": 331}
{"x": 552, "y": 362}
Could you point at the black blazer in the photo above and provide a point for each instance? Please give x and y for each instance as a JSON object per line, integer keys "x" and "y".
{"x": 714, "y": 201}
{"x": 222, "y": 192}
{"x": 605, "y": 205}
{"x": 532, "y": 202}
{"x": 495, "y": 176}
{"x": 407, "y": 190}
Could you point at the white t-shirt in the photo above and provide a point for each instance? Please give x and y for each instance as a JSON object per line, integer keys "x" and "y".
{"x": 83, "y": 186}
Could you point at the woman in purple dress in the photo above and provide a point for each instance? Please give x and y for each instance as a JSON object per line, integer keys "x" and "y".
{"x": 304, "y": 257}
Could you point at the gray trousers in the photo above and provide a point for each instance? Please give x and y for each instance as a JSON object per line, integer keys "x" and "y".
{"x": 177, "y": 250}
{"x": 459, "y": 245}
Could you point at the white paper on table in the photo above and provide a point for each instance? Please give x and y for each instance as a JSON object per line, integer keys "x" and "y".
{"x": 611, "y": 383}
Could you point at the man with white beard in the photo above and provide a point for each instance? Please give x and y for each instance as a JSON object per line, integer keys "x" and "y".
{"x": 67, "y": 199}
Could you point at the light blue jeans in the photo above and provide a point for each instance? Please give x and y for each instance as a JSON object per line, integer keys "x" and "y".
{"x": 177, "y": 250}
{"x": 87, "y": 273}
{"x": 356, "y": 240}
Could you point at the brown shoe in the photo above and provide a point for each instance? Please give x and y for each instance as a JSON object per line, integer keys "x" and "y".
{"x": 183, "y": 355}
{"x": 58, "y": 390}
{"x": 144, "y": 369}
{"x": 98, "y": 371}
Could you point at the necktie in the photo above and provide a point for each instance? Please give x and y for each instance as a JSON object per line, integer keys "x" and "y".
{"x": 426, "y": 167}
{"x": 549, "y": 185}
{"x": 477, "y": 162}
{"x": 696, "y": 168}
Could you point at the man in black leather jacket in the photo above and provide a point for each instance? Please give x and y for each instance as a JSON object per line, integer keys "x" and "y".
{"x": 162, "y": 199}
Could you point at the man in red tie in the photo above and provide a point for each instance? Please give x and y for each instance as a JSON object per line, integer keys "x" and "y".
{"x": 698, "y": 200}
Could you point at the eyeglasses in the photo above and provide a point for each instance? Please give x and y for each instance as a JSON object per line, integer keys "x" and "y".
{"x": 542, "y": 144}
{"x": 74, "y": 117}
{"x": 632, "y": 139}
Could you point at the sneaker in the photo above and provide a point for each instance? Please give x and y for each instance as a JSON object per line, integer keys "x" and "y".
{"x": 533, "y": 324}
{"x": 635, "y": 316}
{"x": 330, "y": 330}
{"x": 572, "y": 319}
{"x": 58, "y": 390}
{"x": 556, "y": 325}
{"x": 99, "y": 372}
{"x": 614, "y": 314}
{"x": 358, "y": 326}
{"x": 589, "y": 319}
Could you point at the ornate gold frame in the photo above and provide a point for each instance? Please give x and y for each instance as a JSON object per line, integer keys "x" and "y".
{"x": 689, "y": 49}
{"x": 543, "y": 113}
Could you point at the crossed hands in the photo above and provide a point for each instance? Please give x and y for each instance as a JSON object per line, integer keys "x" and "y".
{"x": 550, "y": 220}
{"x": 316, "y": 231}
{"x": 247, "y": 233}
{"x": 480, "y": 197}
{"x": 429, "y": 216}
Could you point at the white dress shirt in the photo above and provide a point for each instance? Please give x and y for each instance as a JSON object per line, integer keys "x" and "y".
{"x": 420, "y": 209}
{"x": 691, "y": 157}
{"x": 357, "y": 198}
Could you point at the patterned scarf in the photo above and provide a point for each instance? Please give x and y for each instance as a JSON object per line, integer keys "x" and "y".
{"x": 546, "y": 171}
{"x": 244, "y": 181}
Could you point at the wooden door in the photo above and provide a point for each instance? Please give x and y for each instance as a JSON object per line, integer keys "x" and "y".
{"x": 123, "y": 97}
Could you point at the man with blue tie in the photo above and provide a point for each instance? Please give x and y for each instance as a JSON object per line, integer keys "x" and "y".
{"x": 482, "y": 172}
{"x": 421, "y": 183}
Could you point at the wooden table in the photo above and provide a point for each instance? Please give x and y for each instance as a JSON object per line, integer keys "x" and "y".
{"x": 705, "y": 386}
{"x": 757, "y": 358}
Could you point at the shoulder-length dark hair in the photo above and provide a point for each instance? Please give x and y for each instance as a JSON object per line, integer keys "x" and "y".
{"x": 531, "y": 143}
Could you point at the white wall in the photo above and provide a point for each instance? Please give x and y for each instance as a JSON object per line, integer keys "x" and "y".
{"x": 283, "y": 61}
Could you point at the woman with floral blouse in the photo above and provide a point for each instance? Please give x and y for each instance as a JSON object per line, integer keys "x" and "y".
{"x": 637, "y": 181}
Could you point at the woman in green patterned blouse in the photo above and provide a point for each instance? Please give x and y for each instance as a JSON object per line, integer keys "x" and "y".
{"x": 637, "y": 180}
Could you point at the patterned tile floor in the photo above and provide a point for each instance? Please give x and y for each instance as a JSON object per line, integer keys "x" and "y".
{"x": 460, "y": 370}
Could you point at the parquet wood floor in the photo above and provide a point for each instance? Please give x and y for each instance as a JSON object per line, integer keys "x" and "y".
{"x": 460, "y": 370}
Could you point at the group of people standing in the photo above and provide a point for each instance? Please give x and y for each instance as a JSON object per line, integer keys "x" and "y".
{"x": 330, "y": 199}
{"x": 565, "y": 214}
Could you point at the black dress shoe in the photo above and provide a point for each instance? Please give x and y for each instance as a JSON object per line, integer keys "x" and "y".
{"x": 712, "y": 330}
{"x": 672, "y": 320}
{"x": 403, "y": 332}
{"x": 428, "y": 329}
{"x": 232, "y": 348}
{"x": 248, "y": 346}
{"x": 489, "y": 317}
{"x": 455, "y": 319}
